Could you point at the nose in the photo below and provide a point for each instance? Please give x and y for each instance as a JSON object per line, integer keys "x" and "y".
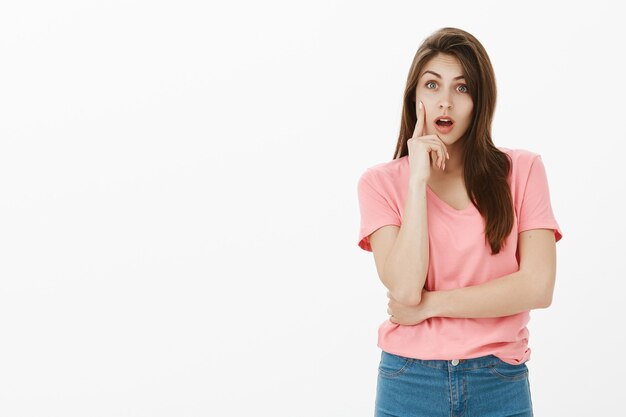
{"x": 445, "y": 101}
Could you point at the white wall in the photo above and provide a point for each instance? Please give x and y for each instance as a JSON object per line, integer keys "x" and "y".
{"x": 178, "y": 208}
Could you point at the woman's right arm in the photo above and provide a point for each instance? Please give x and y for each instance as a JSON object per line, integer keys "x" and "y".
{"x": 401, "y": 253}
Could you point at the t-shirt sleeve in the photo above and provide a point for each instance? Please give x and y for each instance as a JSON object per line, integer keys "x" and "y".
{"x": 536, "y": 210}
{"x": 375, "y": 207}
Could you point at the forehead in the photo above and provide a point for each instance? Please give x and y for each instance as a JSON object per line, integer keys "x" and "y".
{"x": 447, "y": 66}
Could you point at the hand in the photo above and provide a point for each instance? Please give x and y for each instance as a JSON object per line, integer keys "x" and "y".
{"x": 425, "y": 150}
{"x": 411, "y": 315}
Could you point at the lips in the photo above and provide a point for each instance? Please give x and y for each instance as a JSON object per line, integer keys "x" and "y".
{"x": 444, "y": 121}
{"x": 444, "y": 124}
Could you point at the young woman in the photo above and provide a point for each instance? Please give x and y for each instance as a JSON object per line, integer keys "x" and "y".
{"x": 463, "y": 237}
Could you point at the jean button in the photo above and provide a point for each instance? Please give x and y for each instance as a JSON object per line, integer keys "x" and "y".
{"x": 455, "y": 362}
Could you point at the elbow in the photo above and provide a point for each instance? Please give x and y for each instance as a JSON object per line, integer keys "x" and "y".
{"x": 540, "y": 288}
{"x": 411, "y": 298}
{"x": 545, "y": 301}
{"x": 404, "y": 291}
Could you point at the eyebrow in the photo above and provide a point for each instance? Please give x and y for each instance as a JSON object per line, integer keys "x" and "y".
{"x": 439, "y": 76}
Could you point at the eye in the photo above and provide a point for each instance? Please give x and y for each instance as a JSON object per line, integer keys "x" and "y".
{"x": 429, "y": 82}
{"x": 464, "y": 86}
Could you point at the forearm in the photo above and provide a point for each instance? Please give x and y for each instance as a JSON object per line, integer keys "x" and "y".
{"x": 406, "y": 265}
{"x": 504, "y": 296}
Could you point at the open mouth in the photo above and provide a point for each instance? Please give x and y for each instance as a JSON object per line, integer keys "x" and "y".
{"x": 444, "y": 124}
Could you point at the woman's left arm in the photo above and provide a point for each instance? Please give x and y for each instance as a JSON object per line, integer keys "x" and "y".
{"x": 530, "y": 287}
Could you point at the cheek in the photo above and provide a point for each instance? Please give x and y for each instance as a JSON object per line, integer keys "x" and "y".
{"x": 430, "y": 105}
{"x": 467, "y": 112}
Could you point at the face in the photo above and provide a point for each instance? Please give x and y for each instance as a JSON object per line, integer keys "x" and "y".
{"x": 443, "y": 94}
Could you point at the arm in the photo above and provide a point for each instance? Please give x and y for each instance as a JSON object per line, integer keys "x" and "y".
{"x": 529, "y": 288}
{"x": 401, "y": 253}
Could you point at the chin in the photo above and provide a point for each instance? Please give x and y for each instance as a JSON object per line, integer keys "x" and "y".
{"x": 448, "y": 140}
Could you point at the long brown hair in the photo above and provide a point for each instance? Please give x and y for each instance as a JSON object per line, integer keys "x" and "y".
{"x": 485, "y": 167}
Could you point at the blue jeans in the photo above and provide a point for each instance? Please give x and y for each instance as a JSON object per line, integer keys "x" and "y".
{"x": 478, "y": 387}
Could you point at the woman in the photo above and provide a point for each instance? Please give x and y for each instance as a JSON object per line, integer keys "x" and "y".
{"x": 463, "y": 237}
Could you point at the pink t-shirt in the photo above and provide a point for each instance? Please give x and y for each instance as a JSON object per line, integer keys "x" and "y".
{"x": 459, "y": 257}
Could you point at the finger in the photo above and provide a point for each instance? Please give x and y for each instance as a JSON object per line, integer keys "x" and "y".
{"x": 441, "y": 150}
{"x": 435, "y": 151}
{"x": 445, "y": 148}
{"x": 436, "y": 140}
{"x": 419, "y": 124}
{"x": 433, "y": 157}
{"x": 444, "y": 153}
{"x": 440, "y": 157}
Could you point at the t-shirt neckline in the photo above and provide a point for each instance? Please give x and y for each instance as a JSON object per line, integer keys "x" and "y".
{"x": 446, "y": 206}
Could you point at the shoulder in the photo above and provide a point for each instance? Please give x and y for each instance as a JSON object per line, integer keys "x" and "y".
{"x": 521, "y": 159}
{"x": 519, "y": 154}
{"x": 388, "y": 172}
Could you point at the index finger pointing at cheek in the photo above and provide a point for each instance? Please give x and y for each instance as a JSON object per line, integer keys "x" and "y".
{"x": 419, "y": 124}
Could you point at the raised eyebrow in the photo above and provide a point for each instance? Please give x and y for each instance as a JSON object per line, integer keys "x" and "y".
{"x": 439, "y": 76}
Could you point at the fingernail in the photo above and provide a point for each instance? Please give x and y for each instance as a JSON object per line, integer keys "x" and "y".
{"x": 420, "y": 105}
{"x": 448, "y": 155}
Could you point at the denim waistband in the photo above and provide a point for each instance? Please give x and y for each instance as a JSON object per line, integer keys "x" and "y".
{"x": 472, "y": 363}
